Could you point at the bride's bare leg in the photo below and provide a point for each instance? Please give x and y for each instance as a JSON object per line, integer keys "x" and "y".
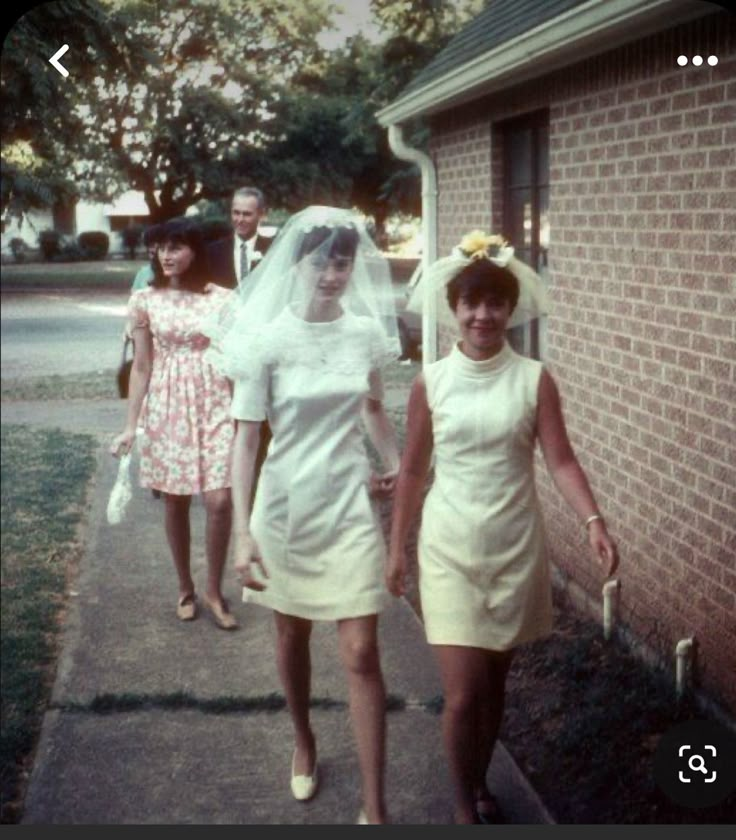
{"x": 295, "y": 670}
{"x": 217, "y": 535}
{"x": 359, "y": 652}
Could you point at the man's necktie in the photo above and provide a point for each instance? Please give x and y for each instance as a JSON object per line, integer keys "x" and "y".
{"x": 243, "y": 260}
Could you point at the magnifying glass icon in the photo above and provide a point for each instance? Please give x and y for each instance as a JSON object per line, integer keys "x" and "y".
{"x": 697, "y": 762}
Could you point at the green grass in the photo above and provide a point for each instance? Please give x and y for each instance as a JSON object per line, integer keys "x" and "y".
{"x": 44, "y": 480}
{"x": 99, "y": 385}
{"x": 106, "y": 274}
{"x": 109, "y": 704}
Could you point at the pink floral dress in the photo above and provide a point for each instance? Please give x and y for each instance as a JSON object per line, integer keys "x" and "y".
{"x": 187, "y": 430}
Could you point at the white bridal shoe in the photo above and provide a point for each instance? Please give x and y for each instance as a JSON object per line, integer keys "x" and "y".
{"x": 303, "y": 787}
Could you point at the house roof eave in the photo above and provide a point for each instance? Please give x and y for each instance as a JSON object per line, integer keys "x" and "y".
{"x": 569, "y": 37}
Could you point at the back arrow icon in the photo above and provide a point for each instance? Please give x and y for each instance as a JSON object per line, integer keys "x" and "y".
{"x": 56, "y": 64}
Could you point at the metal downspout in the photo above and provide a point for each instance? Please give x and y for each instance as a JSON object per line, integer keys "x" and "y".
{"x": 429, "y": 233}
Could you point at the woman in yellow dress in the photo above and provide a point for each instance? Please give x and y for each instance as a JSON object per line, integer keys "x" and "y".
{"x": 483, "y": 574}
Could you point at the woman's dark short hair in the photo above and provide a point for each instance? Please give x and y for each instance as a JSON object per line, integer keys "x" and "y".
{"x": 185, "y": 232}
{"x": 483, "y": 278}
{"x": 343, "y": 242}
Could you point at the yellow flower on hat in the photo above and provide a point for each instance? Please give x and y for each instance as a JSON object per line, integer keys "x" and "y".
{"x": 477, "y": 244}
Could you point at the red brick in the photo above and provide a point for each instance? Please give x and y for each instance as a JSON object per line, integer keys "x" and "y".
{"x": 694, "y": 160}
{"x": 722, "y": 157}
{"x": 719, "y": 369}
{"x": 647, "y": 164}
{"x": 683, "y": 182}
{"x": 727, "y": 305}
{"x": 722, "y": 200}
{"x": 717, "y": 409}
{"x": 709, "y": 95}
{"x": 670, "y": 84}
{"x": 722, "y": 242}
{"x": 670, "y": 123}
{"x": 710, "y": 137}
{"x": 724, "y": 113}
{"x": 683, "y": 101}
{"x": 636, "y": 110}
{"x": 708, "y": 180}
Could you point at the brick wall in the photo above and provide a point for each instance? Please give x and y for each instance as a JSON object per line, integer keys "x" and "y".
{"x": 642, "y": 337}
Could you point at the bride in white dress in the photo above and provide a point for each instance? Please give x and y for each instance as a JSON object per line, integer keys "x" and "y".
{"x": 313, "y": 546}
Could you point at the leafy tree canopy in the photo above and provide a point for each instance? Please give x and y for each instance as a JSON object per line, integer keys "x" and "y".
{"x": 170, "y": 93}
{"x": 185, "y": 99}
{"x": 329, "y": 147}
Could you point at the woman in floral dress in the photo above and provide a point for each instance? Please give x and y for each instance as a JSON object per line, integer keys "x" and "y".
{"x": 182, "y": 405}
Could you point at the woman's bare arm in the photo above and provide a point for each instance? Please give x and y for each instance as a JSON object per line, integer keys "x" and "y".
{"x": 245, "y": 450}
{"x": 567, "y": 473}
{"x": 410, "y": 484}
{"x": 140, "y": 376}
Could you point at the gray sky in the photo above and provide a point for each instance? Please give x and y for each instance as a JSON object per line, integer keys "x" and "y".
{"x": 355, "y": 17}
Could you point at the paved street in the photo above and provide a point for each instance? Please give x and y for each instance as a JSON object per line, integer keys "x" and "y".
{"x": 60, "y": 333}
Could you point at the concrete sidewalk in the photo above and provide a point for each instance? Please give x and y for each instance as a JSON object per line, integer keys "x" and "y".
{"x": 157, "y": 721}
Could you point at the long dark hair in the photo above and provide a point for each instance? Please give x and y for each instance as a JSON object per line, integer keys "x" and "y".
{"x": 185, "y": 232}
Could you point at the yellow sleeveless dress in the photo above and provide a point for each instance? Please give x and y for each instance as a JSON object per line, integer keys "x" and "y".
{"x": 484, "y": 578}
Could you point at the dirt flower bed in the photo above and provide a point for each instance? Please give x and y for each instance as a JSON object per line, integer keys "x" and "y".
{"x": 583, "y": 720}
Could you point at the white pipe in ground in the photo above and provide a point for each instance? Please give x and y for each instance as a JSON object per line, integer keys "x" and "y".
{"x": 683, "y": 658}
{"x": 610, "y": 588}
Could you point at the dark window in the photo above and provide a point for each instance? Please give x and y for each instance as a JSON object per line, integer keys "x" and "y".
{"x": 526, "y": 208}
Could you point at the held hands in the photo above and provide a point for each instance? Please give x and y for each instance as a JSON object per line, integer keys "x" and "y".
{"x": 396, "y": 568}
{"x": 249, "y": 567}
{"x": 123, "y": 443}
{"x": 603, "y": 547}
{"x": 381, "y": 485}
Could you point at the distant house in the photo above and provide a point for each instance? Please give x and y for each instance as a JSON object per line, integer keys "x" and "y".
{"x": 570, "y": 126}
{"x": 130, "y": 208}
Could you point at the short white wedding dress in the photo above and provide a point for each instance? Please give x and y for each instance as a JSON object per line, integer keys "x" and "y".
{"x": 319, "y": 535}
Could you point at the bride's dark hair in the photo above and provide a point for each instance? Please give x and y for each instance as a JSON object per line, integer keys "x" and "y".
{"x": 332, "y": 242}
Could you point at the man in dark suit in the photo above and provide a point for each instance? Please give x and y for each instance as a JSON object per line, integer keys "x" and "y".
{"x": 233, "y": 258}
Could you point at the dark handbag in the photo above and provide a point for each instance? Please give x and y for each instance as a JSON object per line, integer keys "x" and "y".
{"x": 124, "y": 370}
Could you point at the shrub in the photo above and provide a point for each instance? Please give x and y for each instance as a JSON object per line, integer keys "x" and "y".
{"x": 19, "y": 249}
{"x": 94, "y": 244}
{"x": 70, "y": 251}
{"x": 49, "y": 241}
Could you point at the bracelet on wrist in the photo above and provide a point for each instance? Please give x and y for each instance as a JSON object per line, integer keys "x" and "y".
{"x": 592, "y": 518}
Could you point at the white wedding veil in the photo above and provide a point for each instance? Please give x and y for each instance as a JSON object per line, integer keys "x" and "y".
{"x": 532, "y": 303}
{"x": 317, "y": 234}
